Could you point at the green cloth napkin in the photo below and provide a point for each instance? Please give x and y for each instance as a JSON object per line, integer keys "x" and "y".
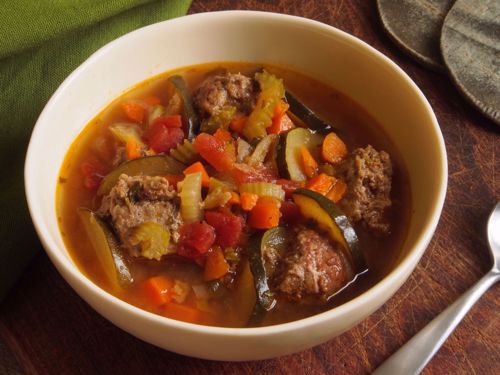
{"x": 41, "y": 42}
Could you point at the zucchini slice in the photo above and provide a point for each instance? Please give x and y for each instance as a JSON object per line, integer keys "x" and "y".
{"x": 190, "y": 123}
{"x": 107, "y": 249}
{"x": 306, "y": 115}
{"x": 330, "y": 218}
{"x": 289, "y": 164}
{"x": 157, "y": 165}
{"x": 271, "y": 240}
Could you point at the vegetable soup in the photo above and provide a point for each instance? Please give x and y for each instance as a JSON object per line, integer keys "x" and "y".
{"x": 233, "y": 194}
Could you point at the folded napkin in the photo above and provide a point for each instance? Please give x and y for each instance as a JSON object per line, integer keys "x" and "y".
{"x": 42, "y": 42}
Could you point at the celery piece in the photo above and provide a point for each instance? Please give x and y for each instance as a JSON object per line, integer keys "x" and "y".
{"x": 219, "y": 120}
{"x": 153, "y": 240}
{"x": 272, "y": 91}
{"x": 191, "y": 202}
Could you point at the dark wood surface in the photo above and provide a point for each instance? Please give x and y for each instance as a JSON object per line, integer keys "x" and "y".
{"x": 47, "y": 329}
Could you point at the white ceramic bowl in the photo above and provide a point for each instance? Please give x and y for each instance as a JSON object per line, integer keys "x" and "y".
{"x": 321, "y": 51}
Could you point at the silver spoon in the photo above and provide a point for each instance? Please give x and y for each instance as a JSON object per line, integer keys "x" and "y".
{"x": 416, "y": 353}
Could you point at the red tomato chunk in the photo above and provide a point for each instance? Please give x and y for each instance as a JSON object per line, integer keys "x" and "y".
{"x": 162, "y": 137}
{"x": 221, "y": 155}
{"x": 195, "y": 239}
{"x": 228, "y": 228}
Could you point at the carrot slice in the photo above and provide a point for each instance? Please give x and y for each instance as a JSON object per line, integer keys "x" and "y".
{"x": 132, "y": 148}
{"x": 157, "y": 290}
{"x": 309, "y": 164}
{"x": 248, "y": 200}
{"x": 333, "y": 149}
{"x": 134, "y": 111}
{"x": 182, "y": 312}
{"x": 216, "y": 265}
{"x": 338, "y": 191}
{"x": 238, "y": 123}
{"x": 198, "y": 167}
{"x": 281, "y": 122}
{"x": 321, "y": 183}
{"x": 223, "y": 135}
{"x": 152, "y": 100}
{"x": 265, "y": 214}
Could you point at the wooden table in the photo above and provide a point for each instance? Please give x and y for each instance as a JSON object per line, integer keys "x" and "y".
{"x": 47, "y": 329}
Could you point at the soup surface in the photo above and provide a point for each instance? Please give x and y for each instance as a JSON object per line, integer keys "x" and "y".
{"x": 235, "y": 195}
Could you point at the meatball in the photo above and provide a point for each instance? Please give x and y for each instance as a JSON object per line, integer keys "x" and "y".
{"x": 313, "y": 269}
{"x": 139, "y": 199}
{"x": 228, "y": 89}
{"x": 368, "y": 174}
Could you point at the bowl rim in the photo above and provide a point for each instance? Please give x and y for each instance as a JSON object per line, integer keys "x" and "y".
{"x": 400, "y": 272}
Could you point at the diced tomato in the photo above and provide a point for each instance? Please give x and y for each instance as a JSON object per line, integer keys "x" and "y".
{"x": 289, "y": 186}
{"x": 228, "y": 228}
{"x": 174, "y": 121}
{"x": 242, "y": 173}
{"x": 93, "y": 172}
{"x": 161, "y": 138}
{"x": 221, "y": 155}
{"x": 195, "y": 240}
{"x": 290, "y": 212}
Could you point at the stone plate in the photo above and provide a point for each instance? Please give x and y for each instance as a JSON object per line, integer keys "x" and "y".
{"x": 470, "y": 44}
{"x": 415, "y": 26}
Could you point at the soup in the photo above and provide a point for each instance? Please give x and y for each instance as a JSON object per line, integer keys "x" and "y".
{"x": 233, "y": 195}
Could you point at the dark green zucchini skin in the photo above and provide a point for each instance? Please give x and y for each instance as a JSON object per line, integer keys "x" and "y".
{"x": 275, "y": 237}
{"x": 157, "y": 165}
{"x": 303, "y": 112}
{"x": 107, "y": 249}
{"x": 349, "y": 238}
{"x": 190, "y": 122}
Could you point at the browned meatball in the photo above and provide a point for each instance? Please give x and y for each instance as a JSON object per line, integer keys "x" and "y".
{"x": 228, "y": 89}
{"x": 368, "y": 174}
{"x": 313, "y": 269}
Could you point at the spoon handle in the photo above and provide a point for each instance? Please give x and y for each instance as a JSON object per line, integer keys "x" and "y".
{"x": 412, "y": 357}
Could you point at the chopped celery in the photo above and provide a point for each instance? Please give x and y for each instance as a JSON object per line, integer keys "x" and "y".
{"x": 125, "y": 131}
{"x": 261, "y": 150}
{"x": 216, "y": 198}
{"x": 174, "y": 106}
{"x": 185, "y": 153}
{"x": 243, "y": 150}
{"x": 153, "y": 240}
{"x": 219, "y": 120}
{"x": 191, "y": 202}
{"x": 155, "y": 112}
{"x": 264, "y": 189}
{"x": 272, "y": 91}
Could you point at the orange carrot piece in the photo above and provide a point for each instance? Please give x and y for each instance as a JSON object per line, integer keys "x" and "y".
{"x": 248, "y": 200}
{"x": 198, "y": 167}
{"x": 216, "y": 265}
{"x": 281, "y": 122}
{"x": 157, "y": 290}
{"x": 321, "y": 183}
{"x": 337, "y": 192}
{"x": 132, "y": 149}
{"x": 223, "y": 135}
{"x": 309, "y": 164}
{"x": 182, "y": 312}
{"x": 265, "y": 214}
{"x": 174, "y": 179}
{"x": 152, "y": 100}
{"x": 134, "y": 111}
{"x": 333, "y": 149}
{"x": 238, "y": 123}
